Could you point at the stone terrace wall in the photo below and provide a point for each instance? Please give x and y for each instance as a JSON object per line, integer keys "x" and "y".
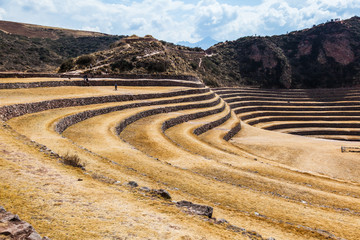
{"x": 300, "y": 118}
{"x": 291, "y": 104}
{"x": 312, "y": 125}
{"x": 185, "y": 118}
{"x": 8, "y": 112}
{"x": 288, "y": 115}
{"x": 327, "y": 132}
{"x": 317, "y": 111}
{"x": 76, "y": 118}
{"x": 206, "y": 127}
{"x": 112, "y": 82}
{"x": 152, "y": 112}
{"x": 120, "y": 76}
{"x": 232, "y": 132}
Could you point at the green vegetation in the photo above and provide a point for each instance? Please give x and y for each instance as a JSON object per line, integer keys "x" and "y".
{"x": 85, "y": 60}
{"x": 67, "y": 65}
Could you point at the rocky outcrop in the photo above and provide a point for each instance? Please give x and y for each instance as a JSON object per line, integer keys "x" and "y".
{"x": 13, "y": 228}
{"x": 326, "y": 55}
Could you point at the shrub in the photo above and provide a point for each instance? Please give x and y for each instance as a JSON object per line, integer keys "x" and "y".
{"x": 211, "y": 82}
{"x": 194, "y": 65}
{"x": 85, "y": 60}
{"x": 157, "y": 66}
{"x": 67, "y": 65}
{"x": 122, "y": 65}
{"x": 73, "y": 160}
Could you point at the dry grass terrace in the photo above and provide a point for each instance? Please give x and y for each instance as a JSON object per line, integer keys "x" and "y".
{"x": 264, "y": 183}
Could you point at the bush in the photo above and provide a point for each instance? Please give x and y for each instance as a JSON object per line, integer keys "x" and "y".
{"x": 157, "y": 66}
{"x": 122, "y": 65}
{"x": 73, "y": 160}
{"x": 194, "y": 65}
{"x": 67, "y": 65}
{"x": 211, "y": 82}
{"x": 85, "y": 60}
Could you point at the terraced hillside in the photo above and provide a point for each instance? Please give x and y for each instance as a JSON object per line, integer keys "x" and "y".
{"x": 323, "y": 113}
{"x": 153, "y": 139}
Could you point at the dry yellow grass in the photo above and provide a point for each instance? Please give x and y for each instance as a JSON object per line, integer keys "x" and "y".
{"x": 280, "y": 186}
{"x": 14, "y": 96}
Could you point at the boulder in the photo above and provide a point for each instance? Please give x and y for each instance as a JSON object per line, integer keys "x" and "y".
{"x": 161, "y": 193}
{"x": 196, "y": 208}
{"x": 12, "y": 227}
{"x": 133, "y": 184}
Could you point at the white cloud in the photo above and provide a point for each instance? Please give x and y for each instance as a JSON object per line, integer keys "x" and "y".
{"x": 176, "y": 20}
{"x": 2, "y": 13}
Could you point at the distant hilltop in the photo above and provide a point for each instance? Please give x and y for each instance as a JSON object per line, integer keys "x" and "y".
{"x": 204, "y": 43}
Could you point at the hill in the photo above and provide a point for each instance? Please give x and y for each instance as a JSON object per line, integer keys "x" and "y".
{"x": 326, "y": 55}
{"x": 34, "y": 48}
{"x": 139, "y": 55}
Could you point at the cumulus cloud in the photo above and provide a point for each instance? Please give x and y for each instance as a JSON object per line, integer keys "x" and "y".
{"x": 177, "y": 20}
{"x": 2, "y": 12}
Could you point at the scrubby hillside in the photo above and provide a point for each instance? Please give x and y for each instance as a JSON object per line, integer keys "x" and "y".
{"x": 326, "y": 55}
{"x": 147, "y": 55}
{"x": 26, "y": 47}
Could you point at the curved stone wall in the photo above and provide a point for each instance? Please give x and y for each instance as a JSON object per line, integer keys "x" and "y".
{"x": 8, "y": 112}
{"x": 206, "y": 127}
{"x": 185, "y": 118}
{"x": 137, "y": 83}
{"x": 76, "y": 118}
{"x": 121, "y": 76}
{"x": 120, "y": 127}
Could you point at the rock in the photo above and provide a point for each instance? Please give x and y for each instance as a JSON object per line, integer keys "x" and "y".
{"x": 34, "y": 236}
{"x": 236, "y": 229}
{"x": 271, "y": 238}
{"x": 196, "y": 208}
{"x": 12, "y": 227}
{"x": 145, "y": 189}
{"x": 133, "y": 184}
{"x": 117, "y": 183}
{"x": 221, "y": 221}
{"x": 2, "y": 209}
{"x": 161, "y": 193}
{"x": 80, "y": 179}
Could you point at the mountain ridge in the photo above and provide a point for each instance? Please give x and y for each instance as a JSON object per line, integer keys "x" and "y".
{"x": 205, "y": 43}
{"x": 326, "y": 55}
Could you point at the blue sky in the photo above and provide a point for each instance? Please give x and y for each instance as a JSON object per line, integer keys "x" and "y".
{"x": 180, "y": 20}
